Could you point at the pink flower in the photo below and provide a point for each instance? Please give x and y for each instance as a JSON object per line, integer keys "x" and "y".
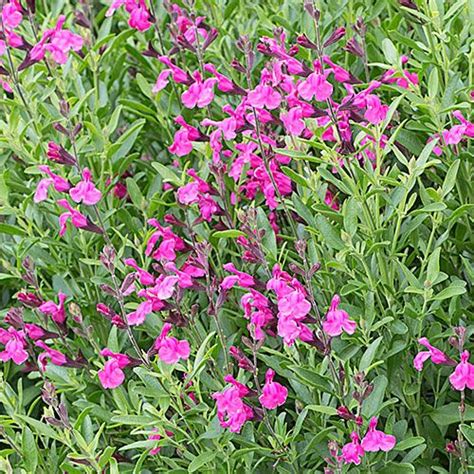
{"x": 376, "y": 440}
{"x": 200, "y": 93}
{"x": 15, "y": 344}
{"x": 331, "y": 200}
{"x": 58, "y": 42}
{"x": 170, "y": 350}
{"x": 56, "y": 311}
{"x": 436, "y": 356}
{"x": 78, "y": 220}
{"x": 264, "y": 96}
{"x": 273, "y": 393}
{"x": 181, "y": 145}
{"x": 60, "y": 184}
{"x": 56, "y": 357}
{"x": 337, "y": 320}
{"x": 144, "y": 277}
{"x": 85, "y": 190}
{"x": 140, "y": 17}
{"x": 12, "y": 14}
{"x": 139, "y": 315}
{"x": 315, "y": 86}
{"x": 376, "y": 111}
{"x": 232, "y": 412}
{"x": 111, "y": 376}
{"x": 59, "y": 155}
{"x": 169, "y": 245}
{"x": 292, "y": 120}
{"x": 463, "y": 375}
{"x": 241, "y": 278}
{"x": 157, "y": 437}
{"x": 352, "y": 452}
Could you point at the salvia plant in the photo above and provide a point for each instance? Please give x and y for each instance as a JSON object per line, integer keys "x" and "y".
{"x": 236, "y": 236}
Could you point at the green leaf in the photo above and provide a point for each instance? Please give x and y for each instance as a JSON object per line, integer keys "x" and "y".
{"x": 409, "y": 443}
{"x": 228, "y": 234}
{"x": 167, "y": 174}
{"x": 322, "y": 409}
{"x": 134, "y": 192}
{"x": 126, "y": 141}
{"x": 11, "y": 230}
{"x": 30, "y": 450}
{"x": 389, "y": 51}
{"x": 374, "y": 401}
{"x": 451, "y": 175}
{"x": 369, "y": 354}
{"x": 201, "y": 460}
{"x": 449, "y": 414}
{"x": 455, "y": 289}
{"x": 397, "y": 468}
{"x": 468, "y": 433}
{"x": 328, "y": 232}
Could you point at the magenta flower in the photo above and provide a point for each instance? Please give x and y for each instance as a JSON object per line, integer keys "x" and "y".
{"x": 436, "y": 356}
{"x": 200, "y": 93}
{"x": 144, "y": 277}
{"x": 264, "y": 96}
{"x": 60, "y": 184}
{"x": 170, "y": 243}
{"x": 331, "y": 200}
{"x": 273, "y": 393}
{"x": 56, "y": 311}
{"x": 463, "y": 375}
{"x": 376, "y": 440}
{"x": 15, "y": 344}
{"x": 85, "y": 190}
{"x": 376, "y": 111}
{"x": 232, "y": 412}
{"x": 170, "y": 350}
{"x": 139, "y": 315}
{"x": 241, "y": 278}
{"x": 112, "y": 375}
{"x": 58, "y": 42}
{"x": 12, "y": 14}
{"x": 315, "y": 86}
{"x": 352, "y": 452}
{"x": 292, "y": 120}
{"x": 56, "y": 357}
{"x": 139, "y": 15}
{"x": 59, "y": 155}
{"x": 337, "y": 320}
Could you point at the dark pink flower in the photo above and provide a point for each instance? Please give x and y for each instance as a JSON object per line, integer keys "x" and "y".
{"x": 200, "y": 93}
{"x": 273, "y": 393}
{"x": 144, "y": 277}
{"x": 78, "y": 220}
{"x": 264, "y": 96}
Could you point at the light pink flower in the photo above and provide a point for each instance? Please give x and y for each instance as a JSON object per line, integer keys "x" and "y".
{"x": 352, "y": 452}
{"x": 15, "y": 344}
{"x": 337, "y": 320}
{"x": 112, "y": 375}
{"x": 315, "y": 86}
{"x": 463, "y": 375}
{"x": 436, "y": 356}
{"x": 170, "y": 350}
{"x": 376, "y": 440}
{"x": 273, "y": 393}
{"x": 56, "y": 311}
{"x": 85, "y": 190}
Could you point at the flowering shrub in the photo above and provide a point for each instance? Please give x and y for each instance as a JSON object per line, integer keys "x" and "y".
{"x": 236, "y": 236}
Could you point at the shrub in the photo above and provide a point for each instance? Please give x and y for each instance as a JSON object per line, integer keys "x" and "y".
{"x": 236, "y": 236}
